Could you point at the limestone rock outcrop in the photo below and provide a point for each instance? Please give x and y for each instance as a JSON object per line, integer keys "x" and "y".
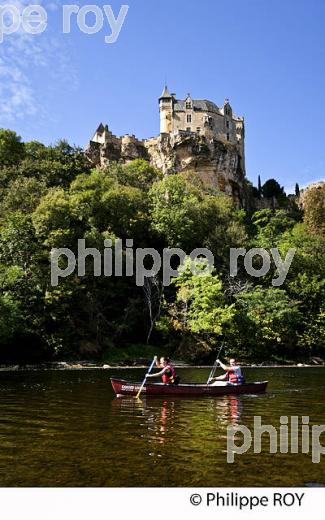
{"x": 217, "y": 163}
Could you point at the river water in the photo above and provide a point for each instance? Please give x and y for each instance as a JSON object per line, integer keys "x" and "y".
{"x": 66, "y": 428}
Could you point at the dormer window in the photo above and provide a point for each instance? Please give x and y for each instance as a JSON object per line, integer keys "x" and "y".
{"x": 188, "y": 105}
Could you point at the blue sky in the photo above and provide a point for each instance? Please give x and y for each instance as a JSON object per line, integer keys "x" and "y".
{"x": 266, "y": 56}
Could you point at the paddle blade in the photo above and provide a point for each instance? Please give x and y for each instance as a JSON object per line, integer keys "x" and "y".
{"x": 138, "y": 394}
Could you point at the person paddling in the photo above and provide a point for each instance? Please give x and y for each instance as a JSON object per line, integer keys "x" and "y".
{"x": 233, "y": 373}
{"x": 167, "y": 371}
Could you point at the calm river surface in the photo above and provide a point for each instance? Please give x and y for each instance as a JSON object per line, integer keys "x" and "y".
{"x": 66, "y": 428}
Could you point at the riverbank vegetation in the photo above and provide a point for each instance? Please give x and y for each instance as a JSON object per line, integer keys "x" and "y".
{"x": 49, "y": 197}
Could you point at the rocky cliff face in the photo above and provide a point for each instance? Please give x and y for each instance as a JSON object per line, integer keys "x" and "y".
{"x": 320, "y": 186}
{"x": 217, "y": 163}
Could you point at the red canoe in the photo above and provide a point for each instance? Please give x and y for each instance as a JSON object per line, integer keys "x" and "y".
{"x": 122, "y": 387}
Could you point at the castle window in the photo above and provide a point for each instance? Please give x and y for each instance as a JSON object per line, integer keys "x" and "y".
{"x": 189, "y": 118}
{"x": 228, "y": 137}
{"x": 188, "y": 105}
{"x": 227, "y": 124}
{"x": 198, "y": 129}
{"x": 188, "y": 129}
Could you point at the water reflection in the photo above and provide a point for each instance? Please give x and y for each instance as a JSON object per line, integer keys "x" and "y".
{"x": 68, "y": 429}
{"x": 229, "y": 409}
{"x": 159, "y": 416}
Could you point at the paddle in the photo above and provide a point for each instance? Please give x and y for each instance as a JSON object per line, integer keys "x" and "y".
{"x": 145, "y": 379}
{"x": 214, "y": 368}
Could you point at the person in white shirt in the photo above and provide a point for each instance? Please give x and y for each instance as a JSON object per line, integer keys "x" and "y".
{"x": 233, "y": 373}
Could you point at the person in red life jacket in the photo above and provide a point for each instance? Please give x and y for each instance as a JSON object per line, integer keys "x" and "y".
{"x": 167, "y": 371}
{"x": 233, "y": 373}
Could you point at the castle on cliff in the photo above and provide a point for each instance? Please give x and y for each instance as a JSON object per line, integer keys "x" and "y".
{"x": 195, "y": 135}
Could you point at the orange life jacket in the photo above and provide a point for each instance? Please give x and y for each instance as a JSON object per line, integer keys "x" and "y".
{"x": 235, "y": 376}
{"x": 169, "y": 376}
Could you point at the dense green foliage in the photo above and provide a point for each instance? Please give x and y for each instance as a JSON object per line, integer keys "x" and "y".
{"x": 50, "y": 198}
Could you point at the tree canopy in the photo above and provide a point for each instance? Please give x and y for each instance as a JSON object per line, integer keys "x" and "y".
{"x": 51, "y": 198}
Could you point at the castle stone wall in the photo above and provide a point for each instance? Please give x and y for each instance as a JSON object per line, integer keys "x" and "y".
{"x": 196, "y": 136}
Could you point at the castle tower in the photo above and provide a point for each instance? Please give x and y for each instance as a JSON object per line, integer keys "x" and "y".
{"x": 166, "y": 101}
{"x": 189, "y": 112}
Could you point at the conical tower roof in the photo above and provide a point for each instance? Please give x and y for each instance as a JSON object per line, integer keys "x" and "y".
{"x": 165, "y": 93}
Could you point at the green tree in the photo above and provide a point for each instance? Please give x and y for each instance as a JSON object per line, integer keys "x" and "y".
{"x": 54, "y": 221}
{"x": 200, "y": 309}
{"x": 266, "y": 321}
{"x": 306, "y": 275}
{"x": 35, "y": 149}
{"x": 23, "y": 278}
{"x": 270, "y": 225}
{"x": 11, "y": 321}
{"x": 259, "y": 188}
{"x": 272, "y": 188}
{"x": 12, "y": 150}
{"x": 312, "y": 338}
{"x": 187, "y": 215}
{"x": 173, "y": 204}
{"x": 136, "y": 174}
{"x": 22, "y": 194}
